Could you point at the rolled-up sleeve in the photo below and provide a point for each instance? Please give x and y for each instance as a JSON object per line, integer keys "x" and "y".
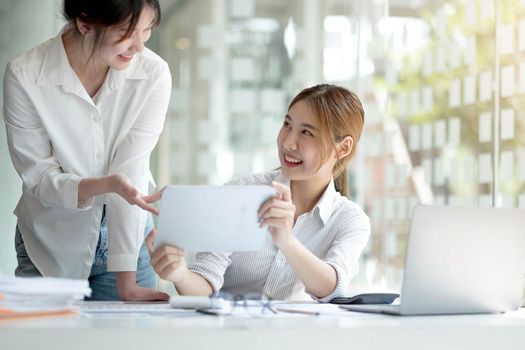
{"x": 126, "y": 223}
{"x": 31, "y": 150}
{"x": 212, "y": 267}
{"x": 345, "y": 251}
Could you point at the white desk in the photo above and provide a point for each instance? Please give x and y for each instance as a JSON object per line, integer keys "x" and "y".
{"x": 349, "y": 331}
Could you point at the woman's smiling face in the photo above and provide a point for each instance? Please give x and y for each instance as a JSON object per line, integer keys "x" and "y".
{"x": 118, "y": 54}
{"x": 298, "y": 145}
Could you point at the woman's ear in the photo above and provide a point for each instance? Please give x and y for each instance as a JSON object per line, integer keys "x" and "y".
{"x": 345, "y": 147}
{"x": 83, "y": 27}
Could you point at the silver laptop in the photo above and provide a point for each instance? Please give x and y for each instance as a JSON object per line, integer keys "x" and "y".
{"x": 461, "y": 261}
{"x": 212, "y": 218}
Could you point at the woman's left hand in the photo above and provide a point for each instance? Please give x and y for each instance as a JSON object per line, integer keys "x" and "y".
{"x": 121, "y": 185}
{"x": 278, "y": 213}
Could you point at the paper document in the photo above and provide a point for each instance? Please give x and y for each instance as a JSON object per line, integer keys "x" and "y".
{"x": 40, "y": 297}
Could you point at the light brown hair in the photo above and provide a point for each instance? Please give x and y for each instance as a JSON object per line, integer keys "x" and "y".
{"x": 339, "y": 114}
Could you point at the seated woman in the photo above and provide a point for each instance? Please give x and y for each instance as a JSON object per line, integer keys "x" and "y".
{"x": 316, "y": 234}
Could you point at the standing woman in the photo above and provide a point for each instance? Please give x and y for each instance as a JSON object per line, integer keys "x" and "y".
{"x": 83, "y": 112}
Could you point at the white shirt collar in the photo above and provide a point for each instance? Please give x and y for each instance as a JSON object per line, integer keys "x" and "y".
{"x": 325, "y": 204}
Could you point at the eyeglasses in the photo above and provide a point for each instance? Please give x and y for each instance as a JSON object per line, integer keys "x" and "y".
{"x": 253, "y": 303}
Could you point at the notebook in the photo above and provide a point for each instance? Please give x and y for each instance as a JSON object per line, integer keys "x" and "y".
{"x": 461, "y": 261}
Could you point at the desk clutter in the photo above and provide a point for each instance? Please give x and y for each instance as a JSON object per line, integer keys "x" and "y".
{"x": 198, "y": 307}
{"x": 22, "y": 297}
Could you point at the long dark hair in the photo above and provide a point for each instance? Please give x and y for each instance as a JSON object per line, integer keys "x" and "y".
{"x": 104, "y": 13}
{"x": 339, "y": 114}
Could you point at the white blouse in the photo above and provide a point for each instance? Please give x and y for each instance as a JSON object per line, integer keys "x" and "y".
{"x": 336, "y": 230}
{"x": 58, "y": 135}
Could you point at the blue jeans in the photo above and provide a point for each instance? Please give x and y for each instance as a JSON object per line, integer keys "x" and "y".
{"x": 102, "y": 283}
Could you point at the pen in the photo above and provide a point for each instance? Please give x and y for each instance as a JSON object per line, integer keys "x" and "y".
{"x": 297, "y": 311}
{"x": 207, "y": 312}
{"x": 214, "y": 312}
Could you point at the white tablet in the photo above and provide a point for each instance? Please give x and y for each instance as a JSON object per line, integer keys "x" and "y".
{"x": 212, "y": 218}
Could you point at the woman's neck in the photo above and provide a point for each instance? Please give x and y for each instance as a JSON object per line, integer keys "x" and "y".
{"x": 306, "y": 193}
{"x": 90, "y": 74}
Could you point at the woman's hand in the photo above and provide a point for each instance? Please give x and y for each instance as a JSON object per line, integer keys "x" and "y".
{"x": 167, "y": 261}
{"x": 121, "y": 185}
{"x": 152, "y": 198}
{"x": 90, "y": 187}
{"x": 278, "y": 213}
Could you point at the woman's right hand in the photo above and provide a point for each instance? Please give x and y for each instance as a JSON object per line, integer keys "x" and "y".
{"x": 167, "y": 261}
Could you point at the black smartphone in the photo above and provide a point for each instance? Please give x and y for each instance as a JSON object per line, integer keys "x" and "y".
{"x": 367, "y": 298}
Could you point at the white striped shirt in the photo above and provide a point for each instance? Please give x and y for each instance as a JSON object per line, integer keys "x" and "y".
{"x": 336, "y": 230}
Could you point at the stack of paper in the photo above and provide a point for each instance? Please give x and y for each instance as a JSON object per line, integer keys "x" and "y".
{"x": 39, "y": 296}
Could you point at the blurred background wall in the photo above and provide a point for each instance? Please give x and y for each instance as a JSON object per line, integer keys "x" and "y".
{"x": 23, "y": 24}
